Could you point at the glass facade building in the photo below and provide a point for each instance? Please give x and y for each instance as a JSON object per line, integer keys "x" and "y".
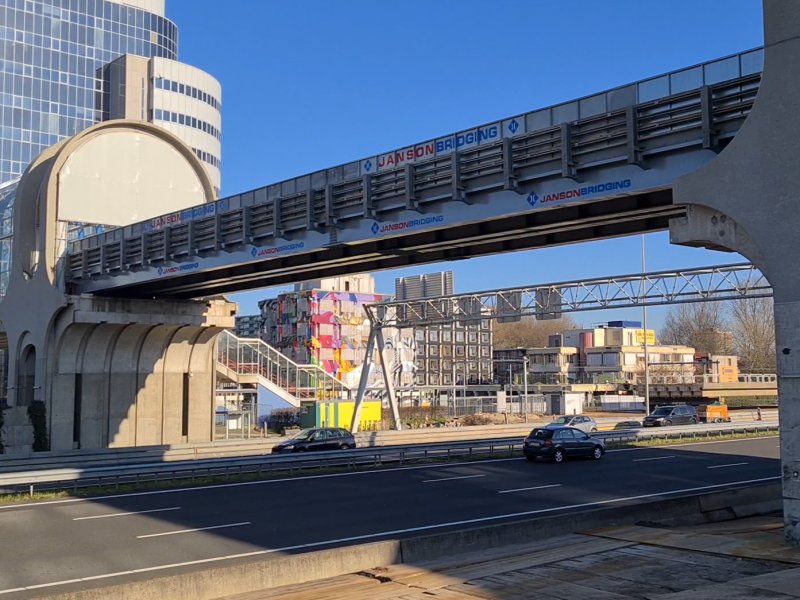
{"x": 51, "y": 55}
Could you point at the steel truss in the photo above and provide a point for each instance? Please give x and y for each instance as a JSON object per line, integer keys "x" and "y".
{"x": 703, "y": 284}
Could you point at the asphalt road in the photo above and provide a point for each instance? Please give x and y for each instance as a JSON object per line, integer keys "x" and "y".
{"x": 118, "y": 537}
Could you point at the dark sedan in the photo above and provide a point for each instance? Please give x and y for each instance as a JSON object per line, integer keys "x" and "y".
{"x": 315, "y": 439}
{"x": 665, "y": 416}
{"x": 557, "y": 443}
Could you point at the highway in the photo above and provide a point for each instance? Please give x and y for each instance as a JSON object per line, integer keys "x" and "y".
{"x": 119, "y": 537}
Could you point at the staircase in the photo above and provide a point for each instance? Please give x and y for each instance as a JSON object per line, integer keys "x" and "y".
{"x": 251, "y": 361}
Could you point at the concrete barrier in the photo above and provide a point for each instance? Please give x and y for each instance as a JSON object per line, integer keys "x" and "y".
{"x": 276, "y": 570}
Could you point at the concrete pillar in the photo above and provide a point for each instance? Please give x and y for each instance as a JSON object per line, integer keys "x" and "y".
{"x": 68, "y": 353}
{"x": 176, "y": 384}
{"x": 95, "y": 366}
{"x": 202, "y": 386}
{"x": 748, "y": 200}
{"x": 150, "y": 386}
{"x": 124, "y": 377}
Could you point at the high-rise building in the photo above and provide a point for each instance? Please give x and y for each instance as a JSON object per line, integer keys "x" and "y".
{"x": 68, "y": 64}
{"x": 457, "y": 353}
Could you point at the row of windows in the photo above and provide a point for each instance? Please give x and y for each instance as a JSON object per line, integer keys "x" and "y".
{"x": 181, "y": 119}
{"x": 447, "y": 336}
{"x": 162, "y": 83}
{"x": 208, "y": 157}
{"x": 458, "y": 366}
{"x": 91, "y": 12}
{"x": 471, "y": 351}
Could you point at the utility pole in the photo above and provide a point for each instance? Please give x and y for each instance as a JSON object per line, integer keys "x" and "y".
{"x": 644, "y": 337}
{"x": 525, "y": 382}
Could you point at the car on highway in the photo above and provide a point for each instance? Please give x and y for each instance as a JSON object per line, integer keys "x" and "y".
{"x": 664, "y": 416}
{"x": 315, "y": 439}
{"x": 557, "y": 443}
{"x": 582, "y": 422}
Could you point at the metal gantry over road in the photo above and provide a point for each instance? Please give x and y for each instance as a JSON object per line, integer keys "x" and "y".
{"x": 700, "y": 284}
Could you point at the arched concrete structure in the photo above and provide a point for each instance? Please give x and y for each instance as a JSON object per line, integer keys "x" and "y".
{"x": 748, "y": 200}
{"x": 111, "y": 372}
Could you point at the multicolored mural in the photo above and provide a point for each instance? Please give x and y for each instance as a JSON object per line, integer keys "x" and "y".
{"x": 326, "y": 328}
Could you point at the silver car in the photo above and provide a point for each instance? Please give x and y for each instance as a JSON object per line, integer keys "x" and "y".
{"x": 582, "y": 422}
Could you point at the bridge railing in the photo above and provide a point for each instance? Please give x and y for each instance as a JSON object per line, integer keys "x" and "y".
{"x": 252, "y": 356}
{"x": 560, "y": 145}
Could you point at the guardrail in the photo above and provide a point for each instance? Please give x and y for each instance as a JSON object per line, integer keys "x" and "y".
{"x": 74, "y": 478}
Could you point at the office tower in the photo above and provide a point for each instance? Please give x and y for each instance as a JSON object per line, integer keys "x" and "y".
{"x": 68, "y": 64}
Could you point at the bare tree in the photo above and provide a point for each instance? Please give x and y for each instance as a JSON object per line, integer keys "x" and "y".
{"x": 753, "y": 323}
{"x": 701, "y": 325}
{"x": 530, "y": 333}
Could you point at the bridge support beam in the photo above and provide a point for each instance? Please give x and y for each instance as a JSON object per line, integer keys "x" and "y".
{"x": 748, "y": 200}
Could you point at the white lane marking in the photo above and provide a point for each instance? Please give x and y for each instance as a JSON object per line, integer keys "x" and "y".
{"x": 264, "y": 482}
{"x": 382, "y": 534}
{"x": 451, "y": 478}
{"x": 538, "y": 487}
{"x": 125, "y": 514}
{"x": 728, "y": 465}
{"x": 653, "y": 458}
{"x": 307, "y": 477}
{"x": 152, "y": 535}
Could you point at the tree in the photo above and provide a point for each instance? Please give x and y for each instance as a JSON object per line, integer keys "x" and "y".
{"x": 753, "y": 323}
{"x": 701, "y": 325}
{"x": 530, "y": 333}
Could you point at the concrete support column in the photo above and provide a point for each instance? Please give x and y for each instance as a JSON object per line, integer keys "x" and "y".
{"x": 787, "y": 345}
{"x": 747, "y": 200}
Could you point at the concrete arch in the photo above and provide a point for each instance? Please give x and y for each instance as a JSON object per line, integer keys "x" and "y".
{"x": 36, "y": 209}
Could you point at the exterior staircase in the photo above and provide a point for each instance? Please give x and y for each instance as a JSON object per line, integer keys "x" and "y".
{"x": 252, "y": 362}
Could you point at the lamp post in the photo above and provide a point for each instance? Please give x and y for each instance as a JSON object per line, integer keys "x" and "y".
{"x": 524, "y": 383}
{"x": 644, "y": 337}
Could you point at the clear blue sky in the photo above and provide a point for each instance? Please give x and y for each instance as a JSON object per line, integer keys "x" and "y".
{"x": 311, "y": 84}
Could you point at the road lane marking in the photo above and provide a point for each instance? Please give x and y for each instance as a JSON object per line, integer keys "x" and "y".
{"x": 653, "y": 458}
{"x": 381, "y": 534}
{"x": 451, "y": 478}
{"x": 152, "y": 535}
{"x": 262, "y": 482}
{"x": 125, "y": 514}
{"x": 355, "y": 474}
{"x": 728, "y": 465}
{"x": 538, "y": 487}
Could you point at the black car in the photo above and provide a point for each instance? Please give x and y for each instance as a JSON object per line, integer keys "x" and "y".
{"x": 557, "y": 443}
{"x": 682, "y": 414}
{"x": 317, "y": 438}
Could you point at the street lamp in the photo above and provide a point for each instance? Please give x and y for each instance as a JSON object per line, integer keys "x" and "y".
{"x": 525, "y": 383}
{"x": 644, "y": 337}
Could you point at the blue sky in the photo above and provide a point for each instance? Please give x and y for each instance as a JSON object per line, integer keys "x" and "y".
{"x": 311, "y": 84}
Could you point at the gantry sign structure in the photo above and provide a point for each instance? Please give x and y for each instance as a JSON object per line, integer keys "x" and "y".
{"x": 550, "y": 300}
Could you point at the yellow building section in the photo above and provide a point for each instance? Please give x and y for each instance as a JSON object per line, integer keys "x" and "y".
{"x": 340, "y": 414}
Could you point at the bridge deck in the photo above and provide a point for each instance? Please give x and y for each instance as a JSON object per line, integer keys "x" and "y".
{"x": 593, "y": 168}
